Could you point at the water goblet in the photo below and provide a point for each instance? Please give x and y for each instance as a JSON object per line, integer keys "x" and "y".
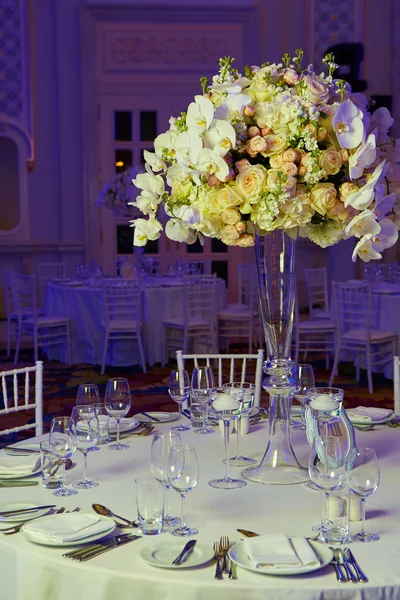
{"x": 363, "y": 479}
{"x": 305, "y": 381}
{"x": 117, "y": 401}
{"x": 88, "y": 393}
{"x": 62, "y": 439}
{"x": 160, "y": 451}
{"x": 183, "y": 474}
{"x": 226, "y": 406}
{"x": 202, "y": 384}
{"x": 179, "y": 390}
{"x": 248, "y": 399}
{"x": 87, "y": 431}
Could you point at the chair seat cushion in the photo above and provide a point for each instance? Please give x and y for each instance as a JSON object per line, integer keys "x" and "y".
{"x": 122, "y": 325}
{"x": 47, "y": 321}
{"x": 316, "y": 325}
{"x": 236, "y": 311}
{"x": 180, "y": 322}
{"x": 322, "y": 314}
{"x": 360, "y": 335}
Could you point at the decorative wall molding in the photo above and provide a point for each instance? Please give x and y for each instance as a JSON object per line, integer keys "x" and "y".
{"x": 21, "y": 247}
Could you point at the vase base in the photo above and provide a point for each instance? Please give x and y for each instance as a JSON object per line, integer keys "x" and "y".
{"x": 278, "y": 475}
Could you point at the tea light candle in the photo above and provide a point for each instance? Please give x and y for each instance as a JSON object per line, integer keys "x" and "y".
{"x": 225, "y": 402}
{"x": 324, "y": 402}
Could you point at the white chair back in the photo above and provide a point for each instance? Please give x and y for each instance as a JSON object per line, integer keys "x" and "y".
{"x": 199, "y": 297}
{"x": 24, "y": 295}
{"x": 237, "y": 364}
{"x": 19, "y": 393}
{"x": 396, "y": 381}
{"x": 317, "y": 292}
{"x": 353, "y": 306}
{"x": 122, "y": 300}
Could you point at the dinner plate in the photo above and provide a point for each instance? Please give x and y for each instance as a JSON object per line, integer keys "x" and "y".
{"x": 15, "y": 475}
{"x": 23, "y": 445}
{"x": 22, "y": 517}
{"x": 82, "y": 540}
{"x": 127, "y": 424}
{"x": 238, "y": 554}
{"x": 372, "y": 423}
{"x": 163, "y": 553}
{"x": 162, "y": 417}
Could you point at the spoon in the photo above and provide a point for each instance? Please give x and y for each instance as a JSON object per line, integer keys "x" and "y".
{"x": 106, "y": 512}
{"x": 54, "y": 468}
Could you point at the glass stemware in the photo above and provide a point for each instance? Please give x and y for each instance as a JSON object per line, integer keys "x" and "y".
{"x": 226, "y": 405}
{"x": 160, "y": 451}
{"x": 88, "y": 393}
{"x": 117, "y": 401}
{"x": 305, "y": 381}
{"x": 179, "y": 390}
{"x": 87, "y": 432}
{"x": 183, "y": 474}
{"x": 202, "y": 384}
{"x": 248, "y": 399}
{"x": 62, "y": 439}
{"x": 363, "y": 479}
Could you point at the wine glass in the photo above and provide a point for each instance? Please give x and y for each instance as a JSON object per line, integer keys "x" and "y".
{"x": 202, "y": 384}
{"x": 88, "y": 393}
{"x": 183, "y": 474}
{"x": 226, "y": 405}
{"x": 248, "y": 399}
{"x": 179, "y": 390}
{"x": 117, "y": 401}
{"x": 160, "y": 451}
{"x": 363, "y": 479}
{"x": 305, "y": 381}
{"x": 62, "y": 439}
{"x": 87, "y": 431}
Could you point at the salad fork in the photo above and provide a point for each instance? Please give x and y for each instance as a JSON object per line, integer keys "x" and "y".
{"x": 224, "y": 543}
{"x": 218, "y": 555}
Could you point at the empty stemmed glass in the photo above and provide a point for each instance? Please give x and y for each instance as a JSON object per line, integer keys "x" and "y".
{"x": 117, "y": 401}
{"x": 247, "y": 404}
{"x": 87, "y": 432}
{"x": 88, "y": 393}
{"x": 363, "y": 479}
{"x": 183, "y": 474}
{"x": 160, "y": 451}
{"x": 226, "y": 405}
{"x": 179, "y": 390}
{"x": 305, "y": 381}
{"x": 202, "y": 384}
{"x": 62, "y": 439}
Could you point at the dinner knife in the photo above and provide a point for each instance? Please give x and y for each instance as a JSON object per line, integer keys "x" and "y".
{"x": 20, "y": 511}
{"x": 179, "y": 559}
{"x": 21, "y": 450}
{"x": 18, "y": 483}
{"x": 150, "y": 416}
{"x": 95, "y": 546}
{"x": 114, "y": 544}
{"x": 360, "y": 574}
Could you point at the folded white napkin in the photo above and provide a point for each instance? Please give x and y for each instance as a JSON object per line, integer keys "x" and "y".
{"x": 278, "y": 551}
{"x": 59, "y": 529}
{"x": 17, "y": 465}
{"x": 365, "y": 414}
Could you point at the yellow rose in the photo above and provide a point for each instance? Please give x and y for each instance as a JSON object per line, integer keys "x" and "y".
{"x": 221, "y": 198}
{"x": 290, "y": 155}
{"x": 317, "y": 90}
{"x": 251, "y": 182}
{"x": 331, "y": 161}
{"x": 231, "y": 216}
{"x": 323, "y": 197}
{"x": 181, "y": 189}
{"x": 246, "y": 240}
{"x": 338, "y": 212}
{"x": 274, "y": 179}
{"x": 259, "y": 90}
{"x": 275, "y": 144}
{"x": 229, "y": 235}
{"x": 346, "y": 188}
{"x": 276, "y": 161}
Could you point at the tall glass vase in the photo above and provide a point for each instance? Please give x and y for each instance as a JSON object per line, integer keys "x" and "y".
{"x": 276, "y": 260}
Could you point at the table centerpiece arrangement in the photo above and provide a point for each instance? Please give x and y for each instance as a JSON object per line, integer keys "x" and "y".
{"x": 260, "y": 160}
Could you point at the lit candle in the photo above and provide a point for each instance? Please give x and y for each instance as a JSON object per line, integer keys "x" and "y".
{"x": 324, "y": 402}
{"x": 225, "y": 402}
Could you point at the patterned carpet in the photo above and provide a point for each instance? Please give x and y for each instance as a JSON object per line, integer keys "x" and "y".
{"x": 150, "y": 390}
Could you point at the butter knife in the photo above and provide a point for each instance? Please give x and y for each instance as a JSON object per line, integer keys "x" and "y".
{"x": 114, "y": 544}
{"x": 247, "y": 533}
{"x": 179, "y": 559}
{"x": 21, "y": 450}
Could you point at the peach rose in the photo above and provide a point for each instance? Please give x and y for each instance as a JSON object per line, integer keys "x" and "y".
{"x": 331, "y": 161}
{"x": 251, "y": 181}
{"x": 249, "y": 110}
{"x": 256, "y": 145}
{"x": 290, "y": 184}
{"x": 213, "y": 181}
{"x": 317, "y": 90}
{"x": 274, "y": 179}
{"x": 265, "y": 131}
{"x": 321, "y": 134}
{"x": 346, "y": 188}
{"x": 276, "y": 161}
{"x": 275, "y": 144}
{"x": 229, "y": 235}
{"x": 231, "y": 216}
{"x": 253, "y": 131}
{"x": 290, "y": 155}
{"x": 242, "y": 164}
{"x": 290, "y": 77}
{"x": 289, "y": 168}
{"x": 344, "y": 153}
{"x": 240, "y": 227}
{"x": 246, "y": 240}
{"x": 302, "y": 170}
{"x": 323, "y": 197}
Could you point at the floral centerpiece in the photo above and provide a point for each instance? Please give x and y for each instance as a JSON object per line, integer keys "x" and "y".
{"x": 118, "y": 194}
{"x": 278, "y": 148}
{"x": 260, "y": 159}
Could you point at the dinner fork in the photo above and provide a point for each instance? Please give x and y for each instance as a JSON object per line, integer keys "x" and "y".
{"x": 218, "y": 555}
{"x": 224, "y": 543}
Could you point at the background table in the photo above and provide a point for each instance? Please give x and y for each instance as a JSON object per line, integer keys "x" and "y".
{"x": 33, "y": 572}
{"x": 84, "y": 305}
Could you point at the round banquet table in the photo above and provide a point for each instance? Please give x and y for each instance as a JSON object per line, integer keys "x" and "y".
{"x": 33, "y": 572}
{"x": 161, "y": 297}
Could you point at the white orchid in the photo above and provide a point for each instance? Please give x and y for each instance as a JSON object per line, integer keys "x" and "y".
{"x": 188, "y": 147}
{"x": 152, "y": 187}
{"x": 382, "y": 120}
{"x": 363, "y": 157}
{"x": 220, "y": 138}
{"x": 387, "y": 236}
{"x": 188, "y": 214}
{"x": 182, "y": 173}
{"x": 348, "y": 124}
{"x": 164, "y": 143}
{"x": 200, "y": 113}
{"x": 365, "y": 250}
{"x": 177, "y": 230}
{"x": 362, "y": 198}
{"x": 384, "y": 206}
{"x": 363, "y": 224}
{"x": 146, "y": 229}
{"x": 232, "y": 107}
{"x": 153, "y": 162}
{"x": 211, "y": 163}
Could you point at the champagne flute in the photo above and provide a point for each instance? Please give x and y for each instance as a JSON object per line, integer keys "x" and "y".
{"x": 87, "y": 431}
{"x": 226, "y": 405}
{"x": 202, "y": 384}
{"x": 305, "y": 381}
{"x": 88, "y": 393}
{"x": 117, "y": 401}
{"x": 179, "y": 390}
{"x": 248, "y": 399}
{"x": 183, "y": 474}
{"x": 363, "y": 479}
{"x": 160, "y": 451}
{"x": 62, "y": 439}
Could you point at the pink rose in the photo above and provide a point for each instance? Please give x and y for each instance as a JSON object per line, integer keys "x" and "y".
{"x": 290, "y": 77}
{"x": 289, "y": 168}
{"x": 253, "y": 131}
{"x": 256, "y": 145}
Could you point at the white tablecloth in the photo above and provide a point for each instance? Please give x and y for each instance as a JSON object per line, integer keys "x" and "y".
{"x": 84, "y": 305}
{"x": 32, "y": 572}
